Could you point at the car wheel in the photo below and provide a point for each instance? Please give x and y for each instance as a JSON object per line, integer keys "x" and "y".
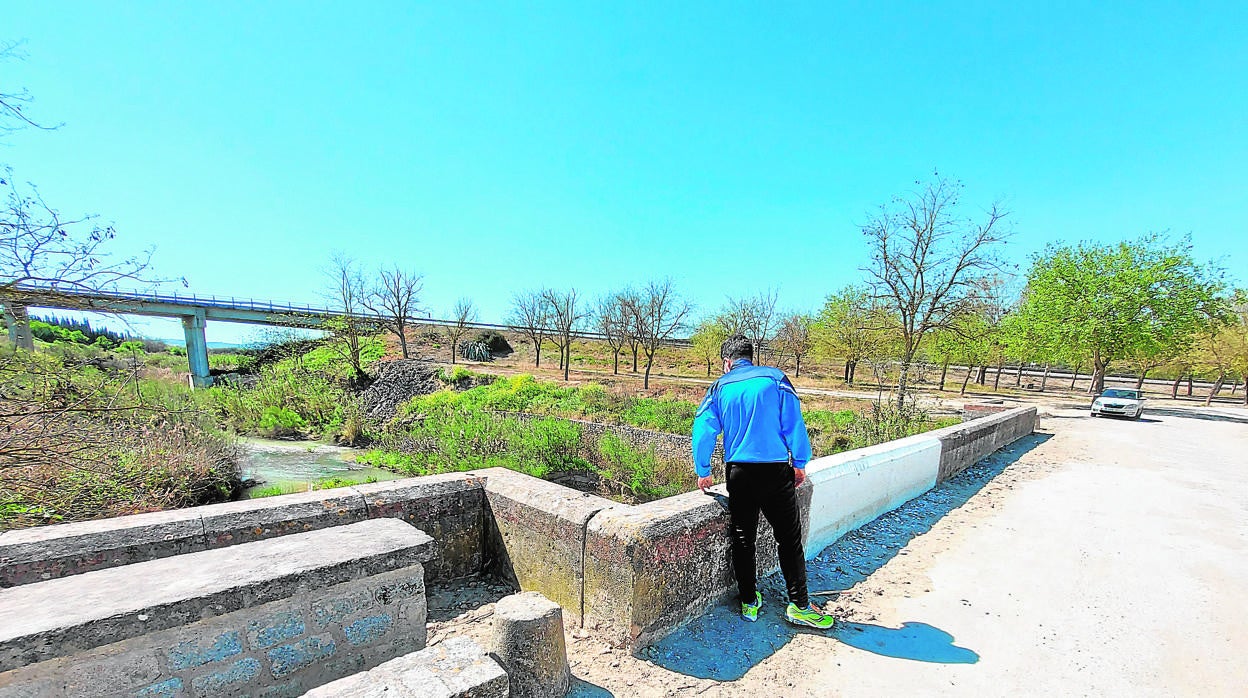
{"x": 1092, "y": 414}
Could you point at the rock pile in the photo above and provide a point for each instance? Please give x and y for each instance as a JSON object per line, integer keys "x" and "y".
{"x": 397, "y": 382}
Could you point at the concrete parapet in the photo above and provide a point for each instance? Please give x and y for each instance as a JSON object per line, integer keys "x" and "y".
{"x": 527, "y": 639}
{"x": 963, "y": 445}
{"x": 456, "y": 668}
{"x": 276, "y": 618}
{"x": 854, "y": 487}
{"x": 536, "y": 535}
{"x": 649, "y": 568}
{"x": 449, "y": 507}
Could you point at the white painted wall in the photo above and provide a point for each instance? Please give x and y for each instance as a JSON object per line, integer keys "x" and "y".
{"x": 855, "y": 487}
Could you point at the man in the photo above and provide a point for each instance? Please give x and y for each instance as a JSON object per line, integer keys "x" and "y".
{"x": 766, "y": 449}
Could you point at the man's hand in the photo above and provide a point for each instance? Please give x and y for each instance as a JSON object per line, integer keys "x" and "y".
{"x": 799, "y": 476}
{"x": 705, "y": 482}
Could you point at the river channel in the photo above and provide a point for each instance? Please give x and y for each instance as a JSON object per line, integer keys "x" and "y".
{"x": 295, "y": 466}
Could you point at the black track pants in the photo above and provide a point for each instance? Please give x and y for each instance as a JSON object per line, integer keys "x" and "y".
{"x": 766, "y": 487}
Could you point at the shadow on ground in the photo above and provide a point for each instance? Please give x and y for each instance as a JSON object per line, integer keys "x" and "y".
{"x": 1191, "y": 413}
{"x": 584, "y": 689}
{"x": 719, "y": 645}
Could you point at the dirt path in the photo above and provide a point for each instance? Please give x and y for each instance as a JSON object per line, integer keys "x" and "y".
{"x": 1101, "y": 557}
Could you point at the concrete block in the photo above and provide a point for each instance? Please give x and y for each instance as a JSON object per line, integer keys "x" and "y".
{"x": 527, "y": 639}
{"x": 449, "y": 507}
{"x": 230, "y": 681}
{"x": 287, "y": 659}
{"x": 63, "y": 616}
{"x": 163, "y": 689}
{"x": 263, "y": 633}
{"x": 536, "y": 535}
{"x": 49, "y": 552}
{"x": 456, "y": 668}
{"x": 191, "y": 653}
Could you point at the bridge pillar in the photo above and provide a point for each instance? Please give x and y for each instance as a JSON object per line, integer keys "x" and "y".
{"x": 16, "y": 317}
{"x": 197, "y": 348}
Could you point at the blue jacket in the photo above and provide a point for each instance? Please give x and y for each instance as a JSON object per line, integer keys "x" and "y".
{"x": 757, "y": 410}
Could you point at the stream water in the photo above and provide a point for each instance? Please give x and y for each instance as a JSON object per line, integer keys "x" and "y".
{"x": 295, "y": 466}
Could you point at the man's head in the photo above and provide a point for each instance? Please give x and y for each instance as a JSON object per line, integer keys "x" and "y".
{"x": 735, "y": 347}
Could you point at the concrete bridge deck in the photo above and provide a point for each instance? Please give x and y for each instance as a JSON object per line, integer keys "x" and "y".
{"x": 1110, "y": 559}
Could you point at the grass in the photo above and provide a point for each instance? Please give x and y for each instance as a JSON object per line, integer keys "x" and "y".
{"x": 329, "y": 483}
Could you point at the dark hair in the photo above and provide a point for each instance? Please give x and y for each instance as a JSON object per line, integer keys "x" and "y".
{"x": 736, "y": 347}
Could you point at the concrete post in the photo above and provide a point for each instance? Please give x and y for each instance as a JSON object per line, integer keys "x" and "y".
{"x": 197, "y": 348}
{"x": 528, "y": 641}
{"x": 19, "y": 326}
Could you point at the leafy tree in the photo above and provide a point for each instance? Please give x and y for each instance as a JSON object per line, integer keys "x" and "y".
{"x": 851, "y": 326}
{"x": 707, "y": 340}
{"x": 926, "y": 260}
{"x": 795, "y": 338}
{"x": 1110, "y": 301}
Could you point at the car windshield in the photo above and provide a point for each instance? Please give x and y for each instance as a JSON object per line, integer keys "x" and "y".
{"x": 1129, "y": 394}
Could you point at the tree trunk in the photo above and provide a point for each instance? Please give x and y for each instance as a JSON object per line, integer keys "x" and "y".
{"x": 615, "y": 367}
{"x": 634, "y": 359}
{"x": 1174, "y": 389}
{"x": 944, "y": 370}
{"x": 965, "y": 381}
{"x": 1139, "y": 384}
{"x": 797, "y": 368}
{"x": 1189, "y": 384}
{"x": 996, "y": 383}
{"x": 567, "y": 360}
{"x": 1018, "y": 377}
{"x": 645, "y": 383}
{"x": 453, "y": 343}
{"x": 708, "y": 368}
{"x": 1044, "y": 381}
{"x": 1075, "y": 378}
{"x": 847, "y": 381}
{"x": 1246, "y": 390}
{"x": 852, "y": 368}
{"x": 537, "y": 350}
{"x": 1100, "y": 368}
{"x": 902, "y": 384}
{"x": 1217, "y": 386}
{"x": 402, "y": 343}
{"x": 982, "y": 377}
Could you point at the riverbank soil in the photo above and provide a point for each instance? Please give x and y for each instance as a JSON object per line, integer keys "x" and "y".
{"x": 1100, "y": 557}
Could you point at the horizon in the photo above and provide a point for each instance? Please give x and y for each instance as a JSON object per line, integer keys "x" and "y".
{"x": 496, "y": 149}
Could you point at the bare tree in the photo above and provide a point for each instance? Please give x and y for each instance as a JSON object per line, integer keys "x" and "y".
{"x": 632, "y": 331}
{"x": 795, "y": 338}
{"x": 926, "y": 261}
{"x": 659, "y": 313}
{"x": 755, "y": 317}
{"x": 13, "y": 115}
{"x": 347, "y": 292}
{"x": 395, "y": 300}
{"x": 611, "y": 320}
{"x": 463, "y": 315}
{"x": 529, "y": 316}
{"x": 565, "y": 318}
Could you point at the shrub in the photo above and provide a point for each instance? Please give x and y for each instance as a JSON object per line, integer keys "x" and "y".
{"x": 475, "y": 351}
{"x": 278, "y": 422}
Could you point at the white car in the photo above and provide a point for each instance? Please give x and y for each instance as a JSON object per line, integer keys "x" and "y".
{"x": 1124, "y": 402}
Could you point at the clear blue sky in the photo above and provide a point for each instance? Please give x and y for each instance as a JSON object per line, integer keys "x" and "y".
{"x": 730, "y": 146}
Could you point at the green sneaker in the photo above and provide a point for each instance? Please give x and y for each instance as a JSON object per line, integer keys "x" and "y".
{"x": 750, "y": 611}
{"x": 809, "y": 616}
